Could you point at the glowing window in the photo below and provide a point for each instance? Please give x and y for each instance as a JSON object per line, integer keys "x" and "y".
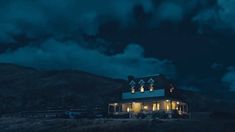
{"x": 132, "y": 90}
{"x": 151, "y": 87}
{"x": 158, "y": 106}
{"x": 173, "y": 104}
{"x": 154, "y": 107}
{"x": 128, "y": 109}
{"x": 142, "y": 89}
{"x": 167, "y": 107}
{"x": 146, "y": 107}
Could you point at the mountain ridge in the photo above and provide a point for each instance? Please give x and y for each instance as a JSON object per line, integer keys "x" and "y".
{"x": 24, "y": 88}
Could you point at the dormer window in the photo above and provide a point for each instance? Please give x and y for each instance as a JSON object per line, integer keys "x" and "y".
{"x": 151, "y": 87}
{"x": 151, "y": 83}
{"x": 142, "y": 89}
{"x": 141, "y": 83}
{"x": 132, "y": 90}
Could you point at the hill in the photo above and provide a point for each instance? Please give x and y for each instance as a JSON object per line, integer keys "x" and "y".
{"x": 26, "y": 89}
{"x": 23, "y": 88}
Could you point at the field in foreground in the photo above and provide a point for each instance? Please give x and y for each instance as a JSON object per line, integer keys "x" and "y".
{"x": 114, "y": 125}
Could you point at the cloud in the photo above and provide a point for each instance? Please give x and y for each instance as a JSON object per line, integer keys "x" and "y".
{"x": 63, "y": 18}
{"x": 71, "y": 18}
{"x": 227, "y": 14}
{"x": 54, "y": 54}
{"x": 170, "y": 12}
{"x": 219, "y": 16}
{"x": 229, "y": 78}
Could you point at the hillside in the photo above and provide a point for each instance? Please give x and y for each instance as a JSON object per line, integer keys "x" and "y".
{"x": 25, "y": 88}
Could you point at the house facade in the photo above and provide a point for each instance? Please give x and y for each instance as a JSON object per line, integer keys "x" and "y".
{"x": 148, "y": 96}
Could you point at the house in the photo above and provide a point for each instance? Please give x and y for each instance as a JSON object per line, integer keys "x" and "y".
{"x": 152, "y": 95}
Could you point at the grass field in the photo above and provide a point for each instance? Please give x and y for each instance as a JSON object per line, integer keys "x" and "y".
{"x": 114, "y": 125}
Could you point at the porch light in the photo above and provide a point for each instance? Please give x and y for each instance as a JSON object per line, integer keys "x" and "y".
{"x": 146, "y": 107}
{"x": 128, "y": 109}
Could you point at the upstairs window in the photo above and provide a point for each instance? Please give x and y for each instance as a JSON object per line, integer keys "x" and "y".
{"x": 141, "y": 83}
{"x": 133, "y": 90}
{"x": 142, "y": 89}
{"x": 151, "y": 87}
{"x": 151, "y": 83}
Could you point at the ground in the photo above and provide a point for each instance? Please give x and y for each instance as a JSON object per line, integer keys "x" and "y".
{"x": 114, "y": 125}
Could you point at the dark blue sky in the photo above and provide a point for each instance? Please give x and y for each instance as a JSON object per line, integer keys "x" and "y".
{"x": 191, "y": 41}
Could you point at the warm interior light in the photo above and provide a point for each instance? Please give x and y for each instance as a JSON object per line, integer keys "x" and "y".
{"x": 128, "y": 109}
{"x": 136, "y": 107}
{"x": 154, "y": 107}
{"x": 142, "y": 89}
{"x": 151, "y": 88}
{"x": 158, "y": 106}
{"x": 167, "y": 107}
{"x": 173, "y": 105}
{"x": 146, "y": 107}
{"x": 132, "y": 90}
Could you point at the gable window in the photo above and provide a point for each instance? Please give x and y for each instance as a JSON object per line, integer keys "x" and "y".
{"x": 141, "y": 83}
{"x": 151, "y": 87}
{"x": 151, "y": 83}
{"x": 142, "y": 89}
{"x": 133, "y": 90}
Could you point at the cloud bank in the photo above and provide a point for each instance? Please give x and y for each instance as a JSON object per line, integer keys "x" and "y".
{"x": 53, "y": 54}
{"x": 42, "y": 29}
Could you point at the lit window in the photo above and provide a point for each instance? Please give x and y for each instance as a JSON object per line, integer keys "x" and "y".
{"x": 146, "y": 107}
{"x": 132, "y": 90}
{"x": 154, "y": 107}
{"x": 158, "y": 106}
{"x": 128, "y": 109}
{"x": 173, "y": 105}
{"x": 151, "y": 88}
{"x": 142, "y": 89}
{"x": 167, "y": 107}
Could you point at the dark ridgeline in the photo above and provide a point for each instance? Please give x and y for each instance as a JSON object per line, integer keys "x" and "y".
{"x": 25, "y": 89}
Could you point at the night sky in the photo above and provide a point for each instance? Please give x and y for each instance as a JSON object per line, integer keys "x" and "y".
{"x": 190, "y": 41}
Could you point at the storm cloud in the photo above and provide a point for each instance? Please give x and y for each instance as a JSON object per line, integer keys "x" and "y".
{"x": 53, "y": 54}
{"x": 62, "y": 18}
{"x": 100, "y": 36}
